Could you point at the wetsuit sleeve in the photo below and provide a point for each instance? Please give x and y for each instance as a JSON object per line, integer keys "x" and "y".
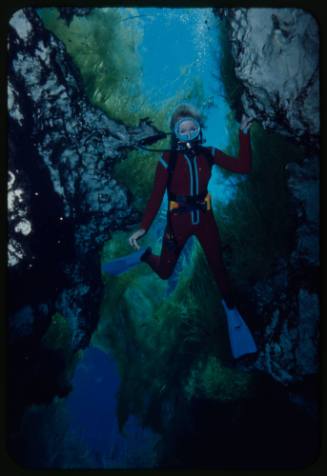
{"x": 154, "y": 202}
{"x": 240, "y": 164}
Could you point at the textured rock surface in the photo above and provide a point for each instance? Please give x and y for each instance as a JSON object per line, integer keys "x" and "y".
{"x": 61, "y": 150}
{"x": 276, "y": 54}
{"x": 63, "y": 203}
{"x": 289, "y": 300}
{"x": 276, "y": 57}
{"x": 304, "y": 185}
{"x": 290, "y": 341}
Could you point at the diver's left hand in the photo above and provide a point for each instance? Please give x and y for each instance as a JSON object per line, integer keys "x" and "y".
{"x": 246, "y": 123}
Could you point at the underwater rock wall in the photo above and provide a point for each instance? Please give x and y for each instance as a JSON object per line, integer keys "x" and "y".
{"x": 276, "y": 57}
{"x": 276, "y": 54}
{"x": 289, "y": 300}
{"x": 56, "y": 136}
{"x": 63, "y": 201}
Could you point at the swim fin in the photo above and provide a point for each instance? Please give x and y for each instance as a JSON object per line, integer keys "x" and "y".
{"x": 118, "y": 266}
{"x": 240, "y": 337}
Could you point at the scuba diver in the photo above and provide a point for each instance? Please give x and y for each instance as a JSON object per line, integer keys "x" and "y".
{"x": 184, "y": 171}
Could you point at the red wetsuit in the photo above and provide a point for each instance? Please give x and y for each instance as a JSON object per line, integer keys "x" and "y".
{"x": 190, "y": 177}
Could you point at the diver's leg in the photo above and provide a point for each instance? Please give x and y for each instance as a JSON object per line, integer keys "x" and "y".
{"x": 164, "y": 264}
{"x": 240, "y": 337}
{"x": 209, "y": 237}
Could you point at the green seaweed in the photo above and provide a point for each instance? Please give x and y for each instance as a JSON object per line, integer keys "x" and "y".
{"x": 258, "y": 225}
{"x": 110, "y": 66}
{"x": 111, "y": 79}
{"x": 211, "y": 380}
{"x": 156, "y": 341}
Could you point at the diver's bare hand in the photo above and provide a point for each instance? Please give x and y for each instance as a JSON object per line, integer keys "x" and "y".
{"x": 134, "y": 237}
{"x": 246, "y": 123}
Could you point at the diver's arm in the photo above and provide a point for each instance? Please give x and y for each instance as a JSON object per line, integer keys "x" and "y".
{"x": 158, "y": 190}
{"x": 240, "y": 164}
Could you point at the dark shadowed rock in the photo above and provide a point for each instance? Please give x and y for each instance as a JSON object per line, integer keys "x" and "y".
{"x": 63, "y": 200}
{"x": 63, "y": 203}
{"x": 276, "y": 60}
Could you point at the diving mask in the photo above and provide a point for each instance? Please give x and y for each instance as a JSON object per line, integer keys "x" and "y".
{"x": 187, "y": 129}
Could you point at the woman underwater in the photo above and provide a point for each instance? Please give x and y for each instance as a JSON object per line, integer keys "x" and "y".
{"x": 185, "y": 171}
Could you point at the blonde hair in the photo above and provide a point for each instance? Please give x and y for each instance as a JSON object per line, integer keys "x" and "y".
{"x": 184, "y": 110}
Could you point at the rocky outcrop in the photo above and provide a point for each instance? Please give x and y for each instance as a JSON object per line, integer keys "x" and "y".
{"x": 61, "y": 152}
{"x": 276, "y": 55}
{"x": 289, "y": 301}
{"x": 63, "y": 201}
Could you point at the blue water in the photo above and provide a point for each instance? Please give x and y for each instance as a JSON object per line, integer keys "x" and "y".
{"x": 92, "y": 407}
{"x": 92, "y": 404}
{"x": 179, "y": 46}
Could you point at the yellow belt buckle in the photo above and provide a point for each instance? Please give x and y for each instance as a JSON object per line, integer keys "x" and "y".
{"x": 208, "y": 201}
{"x": 173, "y": 204}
